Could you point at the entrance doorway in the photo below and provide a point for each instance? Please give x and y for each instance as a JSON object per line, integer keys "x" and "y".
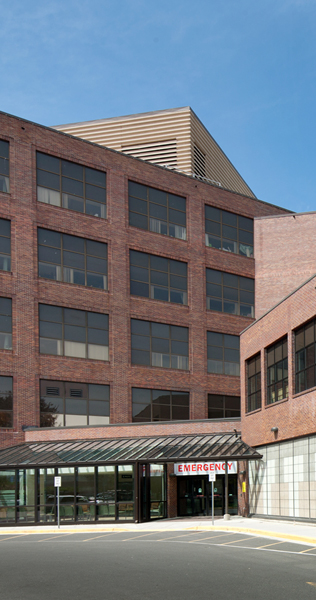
{"x": 195, "y": 496}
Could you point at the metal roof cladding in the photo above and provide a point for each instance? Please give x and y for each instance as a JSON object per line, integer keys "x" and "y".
{"x": 153, "y": 449}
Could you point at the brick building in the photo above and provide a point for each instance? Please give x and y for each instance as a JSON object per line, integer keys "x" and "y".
{"x": 278, "y": 398}
{"x": 124, "y": 288}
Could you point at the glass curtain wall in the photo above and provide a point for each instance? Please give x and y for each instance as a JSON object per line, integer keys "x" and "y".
{"x": 87, "y": 493}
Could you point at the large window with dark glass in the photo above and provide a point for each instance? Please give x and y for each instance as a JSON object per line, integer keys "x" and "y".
{"x": 158, "y": 278}
{"x": 6, "y": 402}
{"x": 305, "y": 357}
{"x": 66, "y": 404}
{"x": 157, "y": 211}
{"x": 159, "y": 405}
{"x": 254, "y": 383}
{"x": 277, "y": 372}
{"x": 4, "y": 167}
{"x": 223, "y": 407}
{"x": 226, "y": 231}
{"x": 64, "y": 183}
{"x": 5, "y": 323}
{"x": 223, "y": 353}
{"x": 232, "y": 294}
{"x": 160, "y": 345}
{"x": 72, "y": 259}
{"x": 72, "y": 332}
{"x": 5, "y": 245}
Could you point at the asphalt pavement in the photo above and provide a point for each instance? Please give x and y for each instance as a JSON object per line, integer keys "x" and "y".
{"x": 295, "y": 531}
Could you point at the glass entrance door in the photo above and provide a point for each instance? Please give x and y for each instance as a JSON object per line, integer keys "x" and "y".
{"x": 192, "y": 496}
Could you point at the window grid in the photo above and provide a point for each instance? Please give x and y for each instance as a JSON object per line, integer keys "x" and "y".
{"x": 229, "y": 293}
{"x": 159, "y": 345}
{"x": 223, "y": 353}
{"x": 5, "y": 323}
{"x": 157, "y": 211}
{"x": 74, "y": 333}
{"x": 6, "y": 402}
{"x": 277, "y": 372}
{"x": 254, "y": 383}
{"x": 158, "y": 278}
{"x": 4, "y": 167}
{"x": 159, "y": 405}
{"x": 5, "y": 245}
{"x": 72, "y": 259}
{"x": 73, "y": 186}
{"x": 305, "y": 357}
{"x": 223, "y": 407}
{"x": 68, "y": 404}
{"x": 228, "y": 231}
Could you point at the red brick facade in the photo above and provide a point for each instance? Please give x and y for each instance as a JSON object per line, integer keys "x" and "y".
{"x": 295, "y": 416}
{"x": 25, "y": 363}
{"x": 285, "y": 256}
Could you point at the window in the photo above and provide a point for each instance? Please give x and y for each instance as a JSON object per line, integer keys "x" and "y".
{"x": 67, "y": 404}
{"x": 227, "y": 231}
{"x": 305, "y": 360}
{"x": 159, "y": 405}
{"x": 222, "y": 353}
{"x": 4, "y": 167}
{"x": 159, "y": 345}
{"x": 158, "y": 278}
{"x": 63, "y": 183}
{"x": 223, "y": 407}
{"x": 72, "y": 259}
{"x": 229, "y": 293}
{"x": 254, "y": 383}
{"x": 277, "y": 372}
{"x": 72, "y": 332}
{"x": 6, "y": 402}
{"x": 157, "y": 211}
{"x": 5, "y": 323}
{"x": 5, "y": 245}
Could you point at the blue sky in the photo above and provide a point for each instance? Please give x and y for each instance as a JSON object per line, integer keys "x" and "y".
{"x": 248, "y": 70}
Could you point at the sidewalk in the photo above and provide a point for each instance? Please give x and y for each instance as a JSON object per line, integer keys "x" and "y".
{"x": 281, "y": 530}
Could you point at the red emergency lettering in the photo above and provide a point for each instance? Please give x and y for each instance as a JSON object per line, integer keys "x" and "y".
{"x": 193, "y": 467}
{"x": 186, "y": 468}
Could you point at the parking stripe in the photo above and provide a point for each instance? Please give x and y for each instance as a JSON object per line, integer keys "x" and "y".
{"x": 235, "y": 541}
{"x": 308, "y": 550}
{"x": 272, "y": 544}
{"x": 212, "y": 537}
{"x": 14, "y": 536}
{"x": 51, "y": 537}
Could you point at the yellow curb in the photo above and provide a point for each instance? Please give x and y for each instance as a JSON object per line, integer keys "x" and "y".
{"x": 272, "y": 534}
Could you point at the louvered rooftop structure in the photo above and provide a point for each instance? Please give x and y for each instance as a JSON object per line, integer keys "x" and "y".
{"x": 173, "y": 138}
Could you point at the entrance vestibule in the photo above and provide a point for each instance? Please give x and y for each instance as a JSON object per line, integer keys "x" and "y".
{"x": 195, "y": 496}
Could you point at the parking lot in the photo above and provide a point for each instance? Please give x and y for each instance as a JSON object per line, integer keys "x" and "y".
{"x": 151, "y": 565}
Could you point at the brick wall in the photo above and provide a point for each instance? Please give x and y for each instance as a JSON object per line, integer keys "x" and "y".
{"x": 20, "y": 206}
{"x": 295, "y": 416}
{"x": 285, "y": 256}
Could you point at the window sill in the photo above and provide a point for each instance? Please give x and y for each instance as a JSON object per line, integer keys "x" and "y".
{"x": 253, "y": 412}
{"x": 81, "y": 287}
{"x": 161, "y": 368}
{"x": 62, "y": 356}
{"x": 166, "y": 302}
{"x": 276, "y": 403}
{"x": 312, "y": 389}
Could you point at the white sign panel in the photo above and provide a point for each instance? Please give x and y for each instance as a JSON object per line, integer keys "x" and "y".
{"x": 204, "y": 468}
{"x": 57, "y": 481}
{"x": 212, "y": 476}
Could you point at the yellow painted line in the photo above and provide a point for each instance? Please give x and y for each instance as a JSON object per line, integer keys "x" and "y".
{"x": 51, "y": 537}
{"x": 99, "y": 536}
{"x": 266, "y": 545}
{"x": 260, "y": 532}
{"x": 14, "y": 536}
{"x": 235, "y": 541}
{"x": 175, "y": 536}
{"x": 139, "y": 536}
{"x": 311, "y": 583}
{"x": 211, "y": 537}
{"x": 308, "y": 550}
